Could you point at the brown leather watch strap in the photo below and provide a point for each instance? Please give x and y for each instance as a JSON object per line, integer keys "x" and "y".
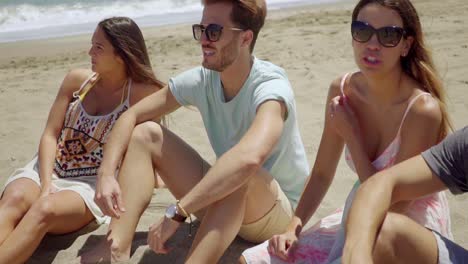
{"x": 179, "y": 218}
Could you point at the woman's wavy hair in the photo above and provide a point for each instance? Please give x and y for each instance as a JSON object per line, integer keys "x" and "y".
{"x": 128, "y": 42}
{"x": 418, "y": 62}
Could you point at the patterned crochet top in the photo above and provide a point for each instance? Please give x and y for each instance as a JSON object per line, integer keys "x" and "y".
{"x": 80, "y": 146}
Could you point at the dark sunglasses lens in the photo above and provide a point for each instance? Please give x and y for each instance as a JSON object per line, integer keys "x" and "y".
{"x": 197, "y": 31}
{"x": 389, "y": 36}
{"x": 360, "y": 31}
{"x": 213, "y": 32}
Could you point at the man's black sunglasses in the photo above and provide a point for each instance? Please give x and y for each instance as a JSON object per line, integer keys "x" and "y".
{"x": 387, "y": 36}
{"x": 212, "y": 31}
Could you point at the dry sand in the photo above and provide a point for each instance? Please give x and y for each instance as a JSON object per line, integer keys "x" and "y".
{"x": 312, "y": 43}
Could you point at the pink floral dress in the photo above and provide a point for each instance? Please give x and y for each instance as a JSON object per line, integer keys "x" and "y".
{"x": 324, "y": 241}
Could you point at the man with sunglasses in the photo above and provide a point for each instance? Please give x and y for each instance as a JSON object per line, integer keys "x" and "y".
{"x": 375, "y": 236}
{"x": 248, "y": 109}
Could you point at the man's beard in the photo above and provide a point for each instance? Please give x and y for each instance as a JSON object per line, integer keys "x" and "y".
{"x": 228, "y": 56}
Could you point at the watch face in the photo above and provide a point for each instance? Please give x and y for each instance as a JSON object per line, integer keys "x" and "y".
{"x": 171, "y": 211}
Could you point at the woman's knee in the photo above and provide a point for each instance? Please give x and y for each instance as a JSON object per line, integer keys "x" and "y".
{"x": 387, "y": 240}
{"x": 147, "y": 132}
{"x": 17, "y": 200}
{"x": 43, "y": 211}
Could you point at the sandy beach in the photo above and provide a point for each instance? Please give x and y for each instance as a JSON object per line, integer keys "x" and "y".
{"x": 312, "y": 44}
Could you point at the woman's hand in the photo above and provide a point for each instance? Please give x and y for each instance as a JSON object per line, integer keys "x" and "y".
{"x": 342, "y": 118}
{"x": 47, "y": 189}
{"x": 283, "y": 245}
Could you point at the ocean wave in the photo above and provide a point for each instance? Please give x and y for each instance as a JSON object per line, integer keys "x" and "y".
{"x": 36, "y": 19}
{"x": 27, "y": 16}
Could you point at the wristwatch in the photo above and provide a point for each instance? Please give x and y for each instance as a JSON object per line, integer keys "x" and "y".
{"x": 172, "y": 213}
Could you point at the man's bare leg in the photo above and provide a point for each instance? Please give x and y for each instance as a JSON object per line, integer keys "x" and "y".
{"x": 224, "y": 218}
{"x": 151, "y": 148}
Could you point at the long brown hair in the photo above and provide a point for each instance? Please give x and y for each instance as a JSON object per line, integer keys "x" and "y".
{"x": 128, "y": 42}
{"x": 418, "y": 62}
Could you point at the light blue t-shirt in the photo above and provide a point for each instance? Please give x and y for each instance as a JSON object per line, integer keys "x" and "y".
{"x": 227, "y": 122}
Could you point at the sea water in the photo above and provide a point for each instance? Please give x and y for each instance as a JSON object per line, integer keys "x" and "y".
{"x": 36, "y": 19}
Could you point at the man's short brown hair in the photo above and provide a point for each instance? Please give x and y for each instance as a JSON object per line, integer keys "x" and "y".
{"x": 246, "y": 14}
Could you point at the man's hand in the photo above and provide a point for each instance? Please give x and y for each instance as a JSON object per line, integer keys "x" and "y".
{"x": 108, "y": 196}
{"x": 160, "y": 232}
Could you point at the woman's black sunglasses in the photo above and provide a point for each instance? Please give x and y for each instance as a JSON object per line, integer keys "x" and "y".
{"x": 387, "y": 36}
{"x": 212, "y": 31}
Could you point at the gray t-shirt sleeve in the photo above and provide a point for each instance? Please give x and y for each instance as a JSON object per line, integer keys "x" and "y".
{"x": 449, "y": 161}
{"x": 188, "y": 86}
{"x": 276, "y": 89}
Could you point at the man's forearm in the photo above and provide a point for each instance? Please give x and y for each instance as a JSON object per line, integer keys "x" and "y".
{"x": 235, "y": 167}
{"x": 231, "y": 171}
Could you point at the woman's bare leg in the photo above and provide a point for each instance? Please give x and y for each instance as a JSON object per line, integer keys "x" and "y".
{"x": 17, "y": 198}
{"x": 401, "y": 240}
{"x": 58, "y": 213}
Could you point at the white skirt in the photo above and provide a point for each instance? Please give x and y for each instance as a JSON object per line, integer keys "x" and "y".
{"x": 84, "y": 186}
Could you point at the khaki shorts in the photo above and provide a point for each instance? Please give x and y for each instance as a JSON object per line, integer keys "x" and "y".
{"x": 273, "y": 223}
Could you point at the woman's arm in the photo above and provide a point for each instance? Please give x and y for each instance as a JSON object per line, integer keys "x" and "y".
{"x": 54, "y": 125}
{"x": 320, "y": 179}
{"x": 347, "y": 125}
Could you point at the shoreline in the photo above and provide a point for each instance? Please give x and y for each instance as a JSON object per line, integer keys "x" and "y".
{"x": 158, "y": 20}
{"x": 21, "y": 49}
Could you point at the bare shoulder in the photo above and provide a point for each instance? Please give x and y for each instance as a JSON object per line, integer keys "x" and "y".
{"x": 421, "y": 127}
{"x": 142, "y": 90}
{"x": 74, "y": 79}
{"x": 424, "y": 116}
{"x": 352, "y": 80}
{"x": 425, "y": 108}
